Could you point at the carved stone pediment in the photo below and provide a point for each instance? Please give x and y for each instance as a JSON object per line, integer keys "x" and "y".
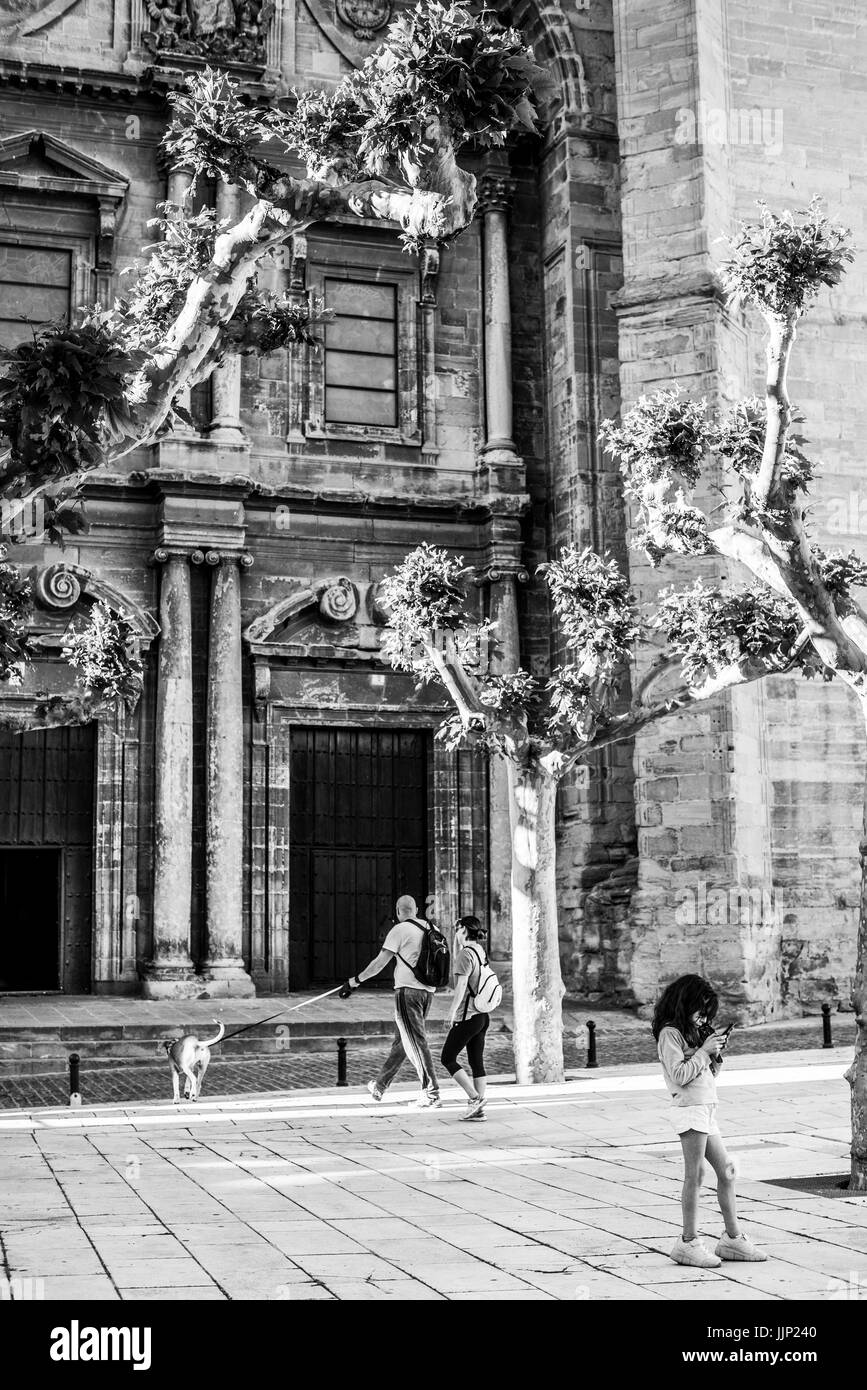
{"x": 61, "y": 589}
{"x": 36, "y": 162}
{"x": 34, "y": 156}
{"x": 18, "y": 18}
{"x": 352, "y": 27}
{"x": 336, "y": 618}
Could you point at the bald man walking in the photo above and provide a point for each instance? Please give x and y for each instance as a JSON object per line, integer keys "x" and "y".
{"x": 412, "y": 1001}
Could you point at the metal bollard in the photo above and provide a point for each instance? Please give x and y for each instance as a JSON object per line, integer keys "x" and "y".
{"x": 827, "y": 1040}
{"x": 74, "y": 1093}
{"x": 341, "y": 1062}
{"x": 591, "y": 1044}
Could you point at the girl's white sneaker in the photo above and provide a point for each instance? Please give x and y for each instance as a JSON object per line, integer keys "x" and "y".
{"x": 738, "y": 1248}
{"x": 694, "y": 1252}
{"x": 474, "y": 1110}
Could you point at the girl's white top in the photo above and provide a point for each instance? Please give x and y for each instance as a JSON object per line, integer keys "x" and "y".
{"x": 686, "y": 1069}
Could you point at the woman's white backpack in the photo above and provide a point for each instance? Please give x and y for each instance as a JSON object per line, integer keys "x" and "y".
{"x": 489, "y": 991}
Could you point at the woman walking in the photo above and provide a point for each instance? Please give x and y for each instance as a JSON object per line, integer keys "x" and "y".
{"x": 467, "y": 1025}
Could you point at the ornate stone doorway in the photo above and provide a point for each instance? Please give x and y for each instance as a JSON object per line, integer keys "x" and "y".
{"x": 359, "y": 839}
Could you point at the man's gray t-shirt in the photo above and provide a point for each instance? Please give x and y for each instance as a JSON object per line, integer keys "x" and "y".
{"x": 405, "y": 940}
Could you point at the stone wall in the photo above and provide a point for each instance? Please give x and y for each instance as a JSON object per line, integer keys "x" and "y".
{"x": 796, "y": 116}
{"x": 748, "y": 811}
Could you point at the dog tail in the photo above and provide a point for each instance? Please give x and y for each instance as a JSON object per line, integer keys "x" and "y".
{"x": 209, "y": 1042}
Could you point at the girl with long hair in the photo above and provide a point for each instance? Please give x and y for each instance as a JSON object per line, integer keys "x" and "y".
{"x": 690, "y": 1050}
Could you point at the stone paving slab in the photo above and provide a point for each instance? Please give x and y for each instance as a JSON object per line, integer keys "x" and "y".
{"x": 564, "y": 1193}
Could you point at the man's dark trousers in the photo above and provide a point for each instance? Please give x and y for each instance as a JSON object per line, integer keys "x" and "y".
{"x": 411, "y": 1008}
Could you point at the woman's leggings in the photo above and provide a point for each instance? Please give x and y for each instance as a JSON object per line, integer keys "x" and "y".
{"x": 469, "y": 1034}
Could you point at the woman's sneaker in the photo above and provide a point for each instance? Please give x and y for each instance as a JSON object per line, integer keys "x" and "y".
{"x": 375, "y": 1090}
{"x": 474, "y": 1109}
{"x": 694, "y": 1252}
{"x": 738, "y": 1248}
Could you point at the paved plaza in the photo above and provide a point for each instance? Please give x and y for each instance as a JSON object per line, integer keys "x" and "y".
{"x": 565, "y": 1193}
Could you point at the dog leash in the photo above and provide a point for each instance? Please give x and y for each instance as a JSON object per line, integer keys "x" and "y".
{"x": 282, "y": 1013}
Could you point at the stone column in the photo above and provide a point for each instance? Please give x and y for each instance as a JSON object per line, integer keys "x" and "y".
{"x": 225, "y": 423}
{"x": 430, "y": 269}
{"x": 223, "y": 968}
{"x": 502, "y": 575}
{"x": 294, "y": 273}
{"x": 495, "y": 194}
{"x": 170, "y": 973}
{"x": 179, "y": 181}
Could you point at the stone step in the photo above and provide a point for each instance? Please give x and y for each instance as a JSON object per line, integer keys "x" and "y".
{"x": 45, "y": 1051}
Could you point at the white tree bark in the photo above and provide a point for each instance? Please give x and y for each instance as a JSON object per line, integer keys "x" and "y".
{"x": 537, "y": 982}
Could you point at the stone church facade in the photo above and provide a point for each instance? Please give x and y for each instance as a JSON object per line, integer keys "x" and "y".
{"x": 249, "y": 826}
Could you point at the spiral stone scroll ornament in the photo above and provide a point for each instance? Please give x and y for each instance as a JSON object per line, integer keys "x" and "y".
{"x": 339, "y": 602}
{"x": 58, "y": 587}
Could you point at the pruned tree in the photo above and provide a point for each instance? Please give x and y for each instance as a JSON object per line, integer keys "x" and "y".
{"x": 383, "y": 144}
{"x": 545, "y": 726}
{"x": 778, "y": 265}
{"x": 796, "y": 612}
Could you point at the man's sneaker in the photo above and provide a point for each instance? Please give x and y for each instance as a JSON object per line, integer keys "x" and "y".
{"x": 375, "y": 1090}
{"x": 694, "y": 1252}
{"x": 738, "y": 1248}
{"x": 474, "y": 1109}
{"x": 426, "y": 1102}
{"x": 480, "y": 1116}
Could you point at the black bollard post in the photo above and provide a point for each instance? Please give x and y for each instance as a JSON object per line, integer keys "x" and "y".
{"x": 591, "y": 1045}
{"x": 74, "y": 1093}
{"x": 827, "y": 1040}
{"x": 341, "y": 1062}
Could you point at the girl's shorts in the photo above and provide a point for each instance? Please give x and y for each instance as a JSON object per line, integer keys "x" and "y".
{"x": 700, "y": 1117}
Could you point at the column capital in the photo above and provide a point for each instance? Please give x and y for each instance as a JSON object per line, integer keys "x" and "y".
{"x": 495, "y": 191}
{"x": 163, "y": 553}
{"x": 500, "y": 569}
{"x": 198, "y": 555}
{"x": 503, "y": 552}
{"x": 242, "y": 558}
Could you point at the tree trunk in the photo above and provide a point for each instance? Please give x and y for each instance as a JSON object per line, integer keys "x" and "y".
{"x": 857, "y": 1073}
{"x": 536, "y": 980}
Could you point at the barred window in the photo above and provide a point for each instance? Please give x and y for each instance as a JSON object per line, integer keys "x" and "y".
{"x": 361, "y": 353}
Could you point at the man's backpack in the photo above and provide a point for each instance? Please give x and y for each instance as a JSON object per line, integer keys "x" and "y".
{"x": 433, "y": 966}
{"x": 489, "y": 991}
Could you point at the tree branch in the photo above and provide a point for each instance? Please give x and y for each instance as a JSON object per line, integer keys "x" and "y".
{"x": 837, "y": 646}
{"x": 439, "y": 202}
{"x": 781, "y": 339}
{"x": 638, "y": 716}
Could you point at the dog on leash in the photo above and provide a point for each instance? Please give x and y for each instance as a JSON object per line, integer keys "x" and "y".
{"x": 189, "y": 1057}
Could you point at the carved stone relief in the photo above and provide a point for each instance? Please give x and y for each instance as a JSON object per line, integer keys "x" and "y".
{"x": 232, "y": 30}
{"x": 364, "y": 17}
